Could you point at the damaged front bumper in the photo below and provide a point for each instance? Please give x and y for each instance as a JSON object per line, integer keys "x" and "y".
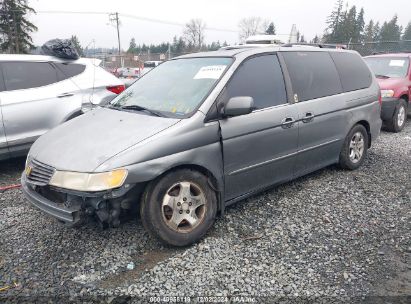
{"x": 71, "y": 207}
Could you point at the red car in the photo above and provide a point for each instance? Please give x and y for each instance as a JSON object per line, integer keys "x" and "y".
{"x": 393, "y": 72}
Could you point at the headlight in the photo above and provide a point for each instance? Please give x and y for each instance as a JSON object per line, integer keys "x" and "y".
{"x": 89, "y": 181}
{"x": 387, "y": 93}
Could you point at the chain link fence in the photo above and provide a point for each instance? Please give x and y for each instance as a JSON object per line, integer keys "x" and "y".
{"x": 379, "y": 47}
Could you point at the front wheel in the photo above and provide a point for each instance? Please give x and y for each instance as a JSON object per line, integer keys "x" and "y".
{"x": 355, "y": 148}
{"x": 397, "y": 122}
{"x": 179, "y": 208}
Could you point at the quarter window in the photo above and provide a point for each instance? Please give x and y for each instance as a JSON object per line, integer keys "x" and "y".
{"x": 313, "y": 74}
{"x": 26, "y": 75}
{"x": 353, "y": 71}
{"x": 260, "y": 78}
{"x": 70, "y": 69}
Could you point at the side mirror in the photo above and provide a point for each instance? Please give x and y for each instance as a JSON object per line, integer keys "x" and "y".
{"x": 237, "y": 106}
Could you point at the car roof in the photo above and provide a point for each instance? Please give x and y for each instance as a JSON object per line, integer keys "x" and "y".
{"x": 37, "y": 58}
{"x": 390, "y": 55}
{"x": 249, "y": 51}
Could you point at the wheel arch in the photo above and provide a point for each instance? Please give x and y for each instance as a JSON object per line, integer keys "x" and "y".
{"x": 366, "y": 125}
{"x": 216, "y": 184}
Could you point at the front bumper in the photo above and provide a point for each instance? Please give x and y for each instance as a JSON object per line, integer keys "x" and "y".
{"x": 60, "y": 211}
{"x": 388, "y": 108}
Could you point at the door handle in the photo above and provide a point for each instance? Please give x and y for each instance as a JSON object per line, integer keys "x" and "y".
{"x": 287, "y": 122}
{"x": 65, "y": 95}
{"x": 308, "y": 117}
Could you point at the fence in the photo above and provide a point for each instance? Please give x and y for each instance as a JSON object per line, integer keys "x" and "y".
{"x": 370, "y": 48}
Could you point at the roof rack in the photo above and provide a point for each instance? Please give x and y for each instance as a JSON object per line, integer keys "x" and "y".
{"x": 319, "y": 45}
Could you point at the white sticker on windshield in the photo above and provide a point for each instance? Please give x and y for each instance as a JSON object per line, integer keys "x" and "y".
{"x": 210, "y": 72}
{"x": 397, "y": 63}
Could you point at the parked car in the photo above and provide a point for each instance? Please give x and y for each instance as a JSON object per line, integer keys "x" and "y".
{"x": 149, "y": 65}
{"x": 128, "y": 75}
{"x": 38, "y": 93}
{"x": 393, "y": 72}
{"x": 203, "y": 131}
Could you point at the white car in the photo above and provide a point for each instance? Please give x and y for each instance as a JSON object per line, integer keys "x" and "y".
{"x": 38, "y": 93}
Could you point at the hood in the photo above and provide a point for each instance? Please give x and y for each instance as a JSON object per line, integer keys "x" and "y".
{"x": 86, "y": 142}
{"x": 390, "y": 83}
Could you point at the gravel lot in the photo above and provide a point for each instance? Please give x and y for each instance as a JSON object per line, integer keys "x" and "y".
{"x": 333, "y": 236}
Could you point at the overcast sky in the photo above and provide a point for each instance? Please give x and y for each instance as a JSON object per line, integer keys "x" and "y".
{"x": 309, "y": 16}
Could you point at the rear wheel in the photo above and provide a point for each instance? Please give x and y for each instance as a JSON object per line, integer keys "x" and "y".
{"x": 397, "y": 123}
{"x": 355, "y": 148}
{"x": 179, "y": 208}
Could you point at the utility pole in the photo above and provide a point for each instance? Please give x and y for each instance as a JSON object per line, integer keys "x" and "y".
{"x": 114, "y": 18}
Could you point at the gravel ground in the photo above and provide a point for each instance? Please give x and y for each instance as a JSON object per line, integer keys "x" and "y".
{"x": 333, "y": 236}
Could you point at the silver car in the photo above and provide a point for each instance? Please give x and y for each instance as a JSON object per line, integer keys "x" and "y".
{"x": 203, "y": 131}
{"x": 38, "y": 93}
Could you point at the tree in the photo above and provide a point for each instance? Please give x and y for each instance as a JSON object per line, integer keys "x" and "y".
{"x": 270, "y": 29}
{"x": 369, "y": 32}
{"x": 407, "y": 32}
{"x": 132, "y": 47}
{"x": 360, "y": 24}
{"x": 194, "y": 33}
{"x": 74, "y": 40}
{"x": 251, "y": 26}
{"x": 15, "y": 28}
{"x": 391, "y": 31}
{"x": 377, "y": 32}
{"x": 334, "y": 20}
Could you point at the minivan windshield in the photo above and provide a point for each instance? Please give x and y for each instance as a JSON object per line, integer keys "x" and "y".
{"x": 390, "y": 67}
{"x": 175, "y": 88}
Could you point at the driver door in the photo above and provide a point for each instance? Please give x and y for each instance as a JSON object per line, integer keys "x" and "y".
{"x": 259, "y": 148}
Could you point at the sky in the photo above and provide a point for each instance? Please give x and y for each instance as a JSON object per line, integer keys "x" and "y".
{"x": 96, "y": 30}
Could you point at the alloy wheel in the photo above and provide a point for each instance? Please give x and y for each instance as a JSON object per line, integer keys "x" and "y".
{"x": 356, "y": 150}
{"x": 184, "y": 206}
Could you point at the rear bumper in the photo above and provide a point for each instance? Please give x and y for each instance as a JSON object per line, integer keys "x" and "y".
{"x": 59, "y": 211}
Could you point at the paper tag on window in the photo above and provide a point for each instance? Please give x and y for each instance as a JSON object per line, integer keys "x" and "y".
{"x": 397, "y": 63}
{"x": 210, "y": 72}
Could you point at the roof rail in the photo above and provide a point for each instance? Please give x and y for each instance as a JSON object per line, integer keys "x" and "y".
{"x": 319, "y": 45}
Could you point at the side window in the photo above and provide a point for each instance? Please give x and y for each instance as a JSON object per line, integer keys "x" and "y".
{"x": 260, "y": 78}
{"x": 70, "y": 69}
{"x": 353, "y": 71}
{"x": 313, "y": 74}
{"x": 26, "y": 75}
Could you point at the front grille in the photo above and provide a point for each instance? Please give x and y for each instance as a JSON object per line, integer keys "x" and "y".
{"x": 40, "y": 174}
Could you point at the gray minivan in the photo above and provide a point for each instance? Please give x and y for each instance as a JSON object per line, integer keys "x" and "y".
{"x": 203, "y": 131}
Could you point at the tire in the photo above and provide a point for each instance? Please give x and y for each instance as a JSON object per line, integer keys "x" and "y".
{"x": 185, "y": 197}
{"x": 397, "y": 123}
{"x": 351, "y": 155}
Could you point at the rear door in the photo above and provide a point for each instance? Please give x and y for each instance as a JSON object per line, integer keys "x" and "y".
{"x": 321, "y": 108}
{"x": 259, "y": 148}
{"x": 37, "y": 98}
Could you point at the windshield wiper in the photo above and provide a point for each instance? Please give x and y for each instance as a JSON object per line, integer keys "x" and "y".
{"x": 382, "y": 76}
{"x": 140, "y": 108}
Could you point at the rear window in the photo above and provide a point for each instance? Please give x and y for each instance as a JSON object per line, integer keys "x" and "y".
{"x": 70, "y": 69}
{"x": 26, "y": 75}
{"x": 313, "y": 74}
{"x": 354, "y": 73}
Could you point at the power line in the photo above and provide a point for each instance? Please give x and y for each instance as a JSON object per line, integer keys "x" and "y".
{"x": 167, "y": 22}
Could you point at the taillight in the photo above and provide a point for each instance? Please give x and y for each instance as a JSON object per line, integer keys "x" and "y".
{"x": 380, "y": 98}
{"x": 116, "y": 89}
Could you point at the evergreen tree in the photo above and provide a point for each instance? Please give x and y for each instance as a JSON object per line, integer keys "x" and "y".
{"x": 15, "y": 28}
{"x": 132, "y": 47}
{"x": 407, "y": 32}
{"x": 360, "y": 24}
{"x": 270, "y": 29}
{"x": 377, "y": 32}
{"x": 334, "y": 21}
{"x": 369, "y": 32}
{"x": 349, "y": 27}
{"x": 391, "y": 31}
{"x": 77, "y": 45}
